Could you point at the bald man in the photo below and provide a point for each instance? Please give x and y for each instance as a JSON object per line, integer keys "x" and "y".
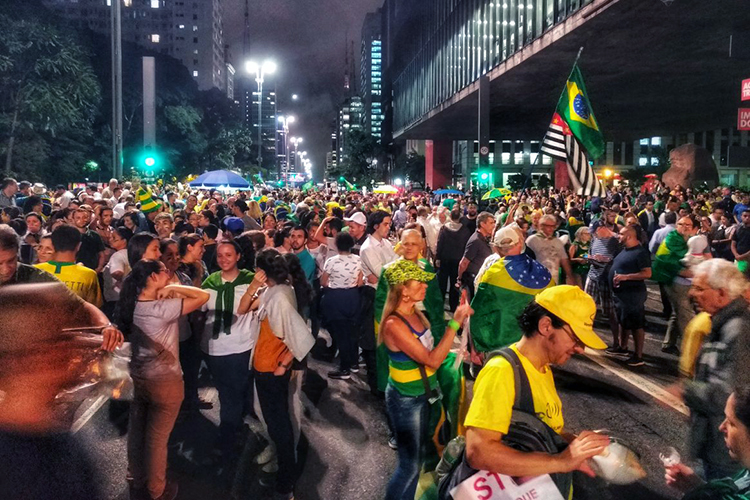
{"x": 630, "y": 268}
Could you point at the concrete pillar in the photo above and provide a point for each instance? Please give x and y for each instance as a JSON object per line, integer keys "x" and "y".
{"x": 438, "y": 161}
{"x": 483, "y": 123}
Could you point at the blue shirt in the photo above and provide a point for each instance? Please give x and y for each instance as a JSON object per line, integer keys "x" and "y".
{"x": 307, "y": 262}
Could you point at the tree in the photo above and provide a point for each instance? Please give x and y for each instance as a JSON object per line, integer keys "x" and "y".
{"x": 410, "y": 166}
{"x": 543, "y": 182}
{"x": 516, "y": 182}
{"x": 47, "y": 85}
{"x": 360, "y": 151}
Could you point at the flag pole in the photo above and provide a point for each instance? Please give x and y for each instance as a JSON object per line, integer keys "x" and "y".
{"x": 527, "y": 182}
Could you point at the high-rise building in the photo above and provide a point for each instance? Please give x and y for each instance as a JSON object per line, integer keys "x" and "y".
{"x": 350, "y": 118}
{"x": 268, "y": 121}
{"x": 189, "y": 31}
{"x": 332, "y": 155}
{"x": 371, "y": 75}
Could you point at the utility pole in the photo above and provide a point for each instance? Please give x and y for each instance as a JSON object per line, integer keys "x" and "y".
{"x": 115, "y": 17}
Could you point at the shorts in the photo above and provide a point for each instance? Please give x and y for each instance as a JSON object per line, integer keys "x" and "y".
{"x": 602, "y": 295}
{"x": 631, "y": 310}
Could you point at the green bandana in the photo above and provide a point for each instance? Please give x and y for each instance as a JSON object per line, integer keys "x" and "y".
{"x": 406, "y": 270}
{"x": 224, "y": 308}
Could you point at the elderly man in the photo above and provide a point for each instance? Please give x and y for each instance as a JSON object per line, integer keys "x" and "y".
{"x": 477, "y": 250}
{"x": 8, "y": 190}
{"x": 717, "y": 289}
{"x": 550, "y": 250}
{"x": 508, "y": 281}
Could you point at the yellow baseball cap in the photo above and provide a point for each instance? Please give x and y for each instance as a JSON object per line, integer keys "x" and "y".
{"x": 576, "y": 308}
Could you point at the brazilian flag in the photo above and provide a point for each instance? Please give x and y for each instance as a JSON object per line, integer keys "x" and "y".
{"x": 449, "y": 376}
{"x": 504, "y": 291}
{"x": 575, "y": 108}
{"x": 307, "y": 186}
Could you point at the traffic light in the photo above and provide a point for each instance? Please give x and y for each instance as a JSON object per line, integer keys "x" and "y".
{"x": 484, "y": 176}
{"x": 149, "y": 160}
{"x": 341, "y": 179}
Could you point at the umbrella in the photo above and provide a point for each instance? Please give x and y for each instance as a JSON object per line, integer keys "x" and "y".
{"x": 448, "y": 191}
{"x": 386, "y": 189}
{"x": 220, "y": 178}
{"x": 650, "y": 176}
{"x": 493, "y": 193}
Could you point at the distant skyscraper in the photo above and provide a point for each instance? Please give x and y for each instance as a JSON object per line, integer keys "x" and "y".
{"x": 371, "y": 75}
{"x": 350, "y": 118}
{"x": 268, "y": 121}
{"x": 189, "y": 31}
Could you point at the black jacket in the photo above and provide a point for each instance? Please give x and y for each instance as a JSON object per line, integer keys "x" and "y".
{"x": 452, "y": 242}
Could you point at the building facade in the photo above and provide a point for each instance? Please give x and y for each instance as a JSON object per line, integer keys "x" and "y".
{"x": 189, "y": 30}
{"x": 371, "y": 75}
{"x": 267, "y": 120}
{"x": 349, "y": 119}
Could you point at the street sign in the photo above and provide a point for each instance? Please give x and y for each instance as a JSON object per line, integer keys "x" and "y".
{"x": 743, "y": 119}
{"x": 484, "y": 150}
{"x": 746, "y": 90}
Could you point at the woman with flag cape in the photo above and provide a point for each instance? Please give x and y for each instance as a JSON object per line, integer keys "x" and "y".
{"x": 443, "y": 421}
{"x": 504, "y": 290}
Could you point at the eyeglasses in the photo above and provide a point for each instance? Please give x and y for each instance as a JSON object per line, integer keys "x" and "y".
{"x": 573, "y": 337}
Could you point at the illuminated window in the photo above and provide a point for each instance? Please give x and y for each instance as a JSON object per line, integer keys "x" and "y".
{"x": 195, "y": 74}
{"x": 155, "y": 38}
{"x": 656, "y": 141}
{"x": 154, "y": 4}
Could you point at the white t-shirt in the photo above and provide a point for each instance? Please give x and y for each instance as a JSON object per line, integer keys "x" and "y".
{"x": 376, "y": 254}
{"x": 320, "y": 254}
{"x": 549, "y": 252}
{"x": 239, "y": 340}
{"x": 155, "y": 339}
{"x": 331, "y": 246}
{"x": 118, "y": 262}
{"x": 343, "y": 270}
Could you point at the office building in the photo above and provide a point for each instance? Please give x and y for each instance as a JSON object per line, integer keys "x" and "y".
{"x": 371, "y": 75}
{"x": 191, "y": 31}
{"x": 268, "y": 119}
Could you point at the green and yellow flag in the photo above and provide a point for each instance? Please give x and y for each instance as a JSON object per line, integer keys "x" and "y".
{"x": 504, "y": 291}
{"x": 575, "y": 108}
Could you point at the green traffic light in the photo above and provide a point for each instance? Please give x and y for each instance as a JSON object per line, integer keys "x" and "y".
{"x": 341, "y": 179}
{"x": 484, "y": 176}
{"x": 150, "y": 161}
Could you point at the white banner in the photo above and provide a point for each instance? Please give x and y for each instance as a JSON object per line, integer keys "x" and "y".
{"x": 492, "y": 486}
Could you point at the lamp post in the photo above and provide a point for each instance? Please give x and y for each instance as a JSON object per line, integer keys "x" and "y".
{"x": 296, "y": 141}
{"x": 285, "y": 122}
{"x": 260, "y": 71}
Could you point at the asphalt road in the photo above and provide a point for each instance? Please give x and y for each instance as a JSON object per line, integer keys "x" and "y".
{"x": 344, "y": 447}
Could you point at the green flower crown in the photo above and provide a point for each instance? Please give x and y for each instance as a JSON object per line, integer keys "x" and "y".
{"x": 403, "y": 270}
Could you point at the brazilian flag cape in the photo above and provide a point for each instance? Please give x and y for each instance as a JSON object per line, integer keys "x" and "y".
{"x": 504, "y": 290}
{"x": 666, "y": 264}
{"x": 449, "y": 377}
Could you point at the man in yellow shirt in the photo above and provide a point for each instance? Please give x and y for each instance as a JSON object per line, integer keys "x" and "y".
{"x": 80, "y": 280}
{"x": 556, "y": 325}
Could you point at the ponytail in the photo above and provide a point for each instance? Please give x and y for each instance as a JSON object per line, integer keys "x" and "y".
{"x": 132, "y": 287}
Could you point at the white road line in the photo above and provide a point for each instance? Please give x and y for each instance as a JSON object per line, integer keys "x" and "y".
{"x": 642, "y": 383}
{"x": 89, "y": 412}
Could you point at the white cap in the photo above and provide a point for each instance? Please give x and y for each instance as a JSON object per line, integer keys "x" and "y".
{"x": 506, "y": 237}
{"x": 358, "y": 218}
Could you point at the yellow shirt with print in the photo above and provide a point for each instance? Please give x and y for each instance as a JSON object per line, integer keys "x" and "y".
{"x": 80, "y": 280}
{"x": 495, "y": 393}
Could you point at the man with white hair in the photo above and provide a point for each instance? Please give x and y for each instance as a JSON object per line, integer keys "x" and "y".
{"x": 549, "y": 249}
{"x": 717, "y": 288}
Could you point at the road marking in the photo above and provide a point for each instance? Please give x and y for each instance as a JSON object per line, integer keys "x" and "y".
{"x": 89, "y": 412}
{"x": 639, "y": 381}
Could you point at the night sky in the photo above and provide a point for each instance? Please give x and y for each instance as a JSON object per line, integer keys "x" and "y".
{"x": 306, "y": 39}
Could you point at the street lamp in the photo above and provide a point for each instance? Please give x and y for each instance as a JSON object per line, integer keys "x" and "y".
{"x": 295, "y": 97}
{"x": 285, "y": 122}
{"x": 260, "y": 71}
{"x": 296, "y": 141}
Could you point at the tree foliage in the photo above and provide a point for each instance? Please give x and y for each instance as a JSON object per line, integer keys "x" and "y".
{"x": 48, "y": 95}
{"x": 410, "y": 165}
{"x": 357, "y": 165}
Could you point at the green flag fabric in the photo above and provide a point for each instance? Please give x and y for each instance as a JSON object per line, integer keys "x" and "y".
{"x": 574, "y": 106}
{"x": 504, "y": 290}
{"x": 666, "y": 264}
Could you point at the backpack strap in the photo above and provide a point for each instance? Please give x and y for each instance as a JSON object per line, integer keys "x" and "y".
{"x": 524, "y": 400}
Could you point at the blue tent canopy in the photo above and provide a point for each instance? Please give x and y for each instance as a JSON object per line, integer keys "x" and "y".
{"x": 220, "y": 178}
{"x": 448, "y": 191}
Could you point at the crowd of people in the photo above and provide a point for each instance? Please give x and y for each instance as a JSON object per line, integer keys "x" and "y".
{"x": 409, "y": 287}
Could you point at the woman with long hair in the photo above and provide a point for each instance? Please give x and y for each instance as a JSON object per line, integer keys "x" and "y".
{"x": 192, "y": 270}
{"x": 269, "y": 221}
{"x": 298, "y": 280}
{"x": 116, "y": 269}
{"x": 227, "y": 340}
{"x": 254, "y": 211}
{"x": 283, "y": 338}
{"x": 148, "y": 312}
{"x": 143, "y": 246}
{"x": 413, "y": 360}
{"x": 130, "y": 221}
{"x": 247, "y": 247}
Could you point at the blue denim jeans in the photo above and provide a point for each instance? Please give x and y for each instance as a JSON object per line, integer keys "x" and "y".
{"x": 409, "y": 419}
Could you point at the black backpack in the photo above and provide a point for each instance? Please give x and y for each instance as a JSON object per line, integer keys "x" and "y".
{"x": 525, "y": 433}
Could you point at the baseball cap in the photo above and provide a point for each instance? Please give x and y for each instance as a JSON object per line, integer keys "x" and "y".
{"x": 506, "y": 237}
{"x": 234, "y": 224}
{"x": 358, "y": 218}
{"x": 576, "y": 308}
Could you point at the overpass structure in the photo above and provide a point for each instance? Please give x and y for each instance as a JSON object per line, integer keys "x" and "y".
{"x": 652, "y": 68}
